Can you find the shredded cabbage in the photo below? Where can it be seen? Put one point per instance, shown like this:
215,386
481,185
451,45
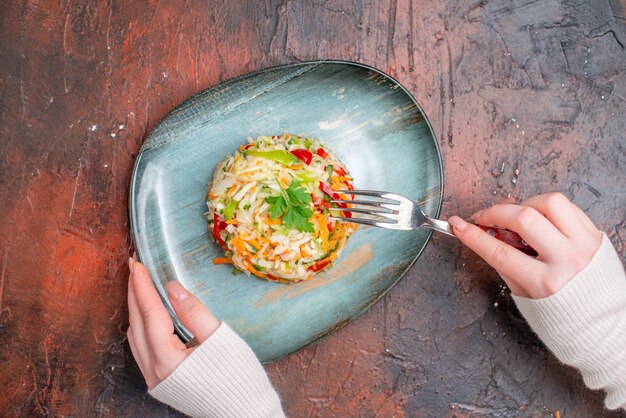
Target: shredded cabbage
239,213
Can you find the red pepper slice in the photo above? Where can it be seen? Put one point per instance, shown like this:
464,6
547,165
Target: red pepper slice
319,265
317,202
273,278
321,152
248,146
326,189
217,226
303,155
335,196
340,171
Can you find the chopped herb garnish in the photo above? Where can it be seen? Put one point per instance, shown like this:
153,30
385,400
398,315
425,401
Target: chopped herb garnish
292,205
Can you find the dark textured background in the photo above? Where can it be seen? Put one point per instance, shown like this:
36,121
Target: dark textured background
537,86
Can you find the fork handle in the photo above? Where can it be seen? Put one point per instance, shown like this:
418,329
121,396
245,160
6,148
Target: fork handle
511,238
505,235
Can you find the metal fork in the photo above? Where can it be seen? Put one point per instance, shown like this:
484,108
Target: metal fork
392,211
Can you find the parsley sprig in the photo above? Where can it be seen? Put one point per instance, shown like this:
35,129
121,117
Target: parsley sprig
292,204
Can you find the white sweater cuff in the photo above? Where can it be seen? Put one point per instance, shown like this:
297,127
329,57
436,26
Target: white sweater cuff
220,378
584,323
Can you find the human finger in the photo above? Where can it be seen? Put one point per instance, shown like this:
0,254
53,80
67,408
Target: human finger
533,227
563,214
134,315
158,325
511,263
136,332
141,358
191,311
591,227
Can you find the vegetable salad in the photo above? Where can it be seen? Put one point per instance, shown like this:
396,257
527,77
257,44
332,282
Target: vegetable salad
270,208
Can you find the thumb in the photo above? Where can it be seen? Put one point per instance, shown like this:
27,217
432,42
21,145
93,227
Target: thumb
191,311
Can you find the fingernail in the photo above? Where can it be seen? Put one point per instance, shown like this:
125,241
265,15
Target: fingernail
131,265
177,291
458,223
135,255
476,215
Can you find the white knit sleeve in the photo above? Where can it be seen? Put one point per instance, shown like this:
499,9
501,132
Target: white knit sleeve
584,323
221,378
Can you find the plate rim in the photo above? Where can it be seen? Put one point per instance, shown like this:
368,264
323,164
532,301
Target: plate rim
133,182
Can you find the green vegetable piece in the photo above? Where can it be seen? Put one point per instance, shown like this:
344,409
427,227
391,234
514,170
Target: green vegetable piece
306,176
229,209
235,271
298,217
329,170
278,206
280,156
292,205
259,268
298,194
250,248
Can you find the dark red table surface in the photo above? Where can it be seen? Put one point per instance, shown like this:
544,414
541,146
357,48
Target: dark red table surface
524,96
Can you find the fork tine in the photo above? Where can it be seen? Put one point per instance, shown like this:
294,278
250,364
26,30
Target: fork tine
373,193
386,215
360,202
365,211
362,221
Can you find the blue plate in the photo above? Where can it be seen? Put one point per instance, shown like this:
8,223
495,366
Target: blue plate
371,122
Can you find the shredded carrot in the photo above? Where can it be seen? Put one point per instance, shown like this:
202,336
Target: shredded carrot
222,260
270,221
239,245
303,251
253,270
212,196
296,167
343,178
232,221
232,190
257,274
320,219
255,244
